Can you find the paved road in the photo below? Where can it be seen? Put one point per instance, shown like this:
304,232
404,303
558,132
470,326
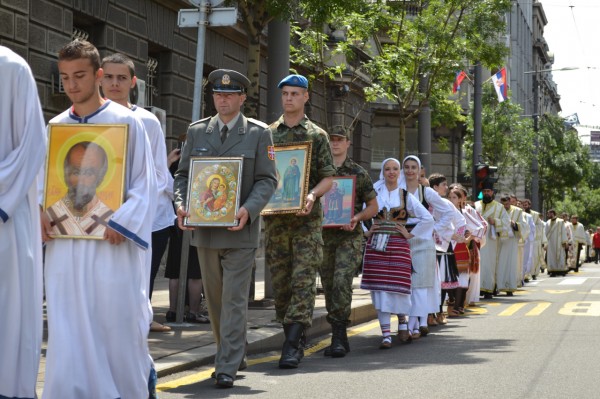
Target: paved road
542,343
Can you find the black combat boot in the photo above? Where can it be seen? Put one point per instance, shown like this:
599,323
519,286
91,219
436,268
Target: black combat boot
339,340
293,346
343,340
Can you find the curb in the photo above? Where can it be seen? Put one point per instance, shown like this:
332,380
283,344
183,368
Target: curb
261,339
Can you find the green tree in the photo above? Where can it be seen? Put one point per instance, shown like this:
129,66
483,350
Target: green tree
507,139
256,15
564,161
416,48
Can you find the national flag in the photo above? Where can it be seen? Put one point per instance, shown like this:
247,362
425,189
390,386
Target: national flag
572,120
458,80
500,84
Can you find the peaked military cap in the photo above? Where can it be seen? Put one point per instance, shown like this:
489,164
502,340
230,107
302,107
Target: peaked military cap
228,81
340,131
294,80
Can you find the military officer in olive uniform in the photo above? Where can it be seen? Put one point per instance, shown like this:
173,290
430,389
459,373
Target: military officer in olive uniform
293,242
226,255
342,254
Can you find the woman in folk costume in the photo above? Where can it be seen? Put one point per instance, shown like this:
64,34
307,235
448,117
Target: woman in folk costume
387,260
446,258
465,251
426,282
477,227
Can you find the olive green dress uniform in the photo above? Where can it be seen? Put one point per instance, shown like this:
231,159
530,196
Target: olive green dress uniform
294,244
342,254
226,257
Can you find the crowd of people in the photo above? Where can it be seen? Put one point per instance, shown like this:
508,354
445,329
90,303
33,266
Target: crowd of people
429,252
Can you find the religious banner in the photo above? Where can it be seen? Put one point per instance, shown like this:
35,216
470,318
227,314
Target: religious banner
214,191
293,170
338,202
85,177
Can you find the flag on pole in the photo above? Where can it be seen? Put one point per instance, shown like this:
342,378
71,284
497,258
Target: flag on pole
460,76
500,84
571,120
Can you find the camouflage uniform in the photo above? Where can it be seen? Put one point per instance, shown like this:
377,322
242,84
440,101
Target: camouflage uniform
293,244
343,250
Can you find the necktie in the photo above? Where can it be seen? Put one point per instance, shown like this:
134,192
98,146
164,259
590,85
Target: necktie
224,133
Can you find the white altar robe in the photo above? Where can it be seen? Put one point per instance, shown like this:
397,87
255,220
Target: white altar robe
97,293
510,260
22,149
556,233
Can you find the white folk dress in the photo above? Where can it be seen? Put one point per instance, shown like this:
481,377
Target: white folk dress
22,149
96,293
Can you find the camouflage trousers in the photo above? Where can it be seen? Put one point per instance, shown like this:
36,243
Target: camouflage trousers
342,257
293,252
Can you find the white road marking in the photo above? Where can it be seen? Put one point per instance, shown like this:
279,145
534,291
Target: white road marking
573,281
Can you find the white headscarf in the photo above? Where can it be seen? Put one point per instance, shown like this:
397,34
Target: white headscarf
402,179
380,184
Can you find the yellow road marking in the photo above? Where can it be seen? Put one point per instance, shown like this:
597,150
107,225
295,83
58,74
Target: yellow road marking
205,374
558,291
512,309
539,308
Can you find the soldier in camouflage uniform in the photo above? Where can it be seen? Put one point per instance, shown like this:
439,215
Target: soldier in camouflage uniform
342,254
293,242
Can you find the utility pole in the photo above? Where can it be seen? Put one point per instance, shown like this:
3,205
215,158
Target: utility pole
535,168
477,137
424,119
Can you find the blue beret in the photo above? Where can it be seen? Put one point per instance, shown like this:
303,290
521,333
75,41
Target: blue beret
294,80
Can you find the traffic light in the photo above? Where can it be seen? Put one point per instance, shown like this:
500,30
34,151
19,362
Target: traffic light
484,173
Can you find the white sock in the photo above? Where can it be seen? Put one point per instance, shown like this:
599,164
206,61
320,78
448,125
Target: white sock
384,322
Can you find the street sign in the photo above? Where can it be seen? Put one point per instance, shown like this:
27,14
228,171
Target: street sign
190,18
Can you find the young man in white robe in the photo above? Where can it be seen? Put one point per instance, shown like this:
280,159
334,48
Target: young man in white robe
556,233
117,82
96,290
510,260
22,150
498,224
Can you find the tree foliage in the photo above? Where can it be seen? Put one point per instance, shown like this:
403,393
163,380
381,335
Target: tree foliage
564,161
507,139
256,15
419,46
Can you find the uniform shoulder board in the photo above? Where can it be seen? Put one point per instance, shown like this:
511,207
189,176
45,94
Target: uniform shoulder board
199,121
257,122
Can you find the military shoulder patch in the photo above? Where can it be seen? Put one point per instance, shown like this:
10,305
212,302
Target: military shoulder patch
271,152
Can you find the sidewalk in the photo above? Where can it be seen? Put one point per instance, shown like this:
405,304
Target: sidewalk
184,348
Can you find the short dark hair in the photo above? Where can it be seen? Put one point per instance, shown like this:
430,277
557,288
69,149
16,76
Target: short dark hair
435,179
526,200
118,58
80,49
458,186
551,210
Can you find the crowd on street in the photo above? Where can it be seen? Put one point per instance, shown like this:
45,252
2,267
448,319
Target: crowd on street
422,249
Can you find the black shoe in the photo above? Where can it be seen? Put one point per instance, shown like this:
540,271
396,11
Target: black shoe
224,381
534,277
171,316
487,295
509,293
338,346
196,318
293,346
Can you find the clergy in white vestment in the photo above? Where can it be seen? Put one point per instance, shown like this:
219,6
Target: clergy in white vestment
510,260
580,239
537,251
528,247
556,233
22,149
569,252
96,290
498,224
